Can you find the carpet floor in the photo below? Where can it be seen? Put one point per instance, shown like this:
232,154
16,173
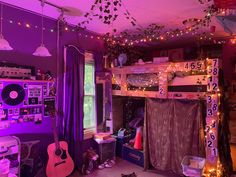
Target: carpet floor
124,167
121,167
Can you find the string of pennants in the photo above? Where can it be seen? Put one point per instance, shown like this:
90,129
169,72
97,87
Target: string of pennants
212,117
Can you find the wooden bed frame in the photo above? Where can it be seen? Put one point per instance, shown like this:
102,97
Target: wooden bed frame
203,73
162,69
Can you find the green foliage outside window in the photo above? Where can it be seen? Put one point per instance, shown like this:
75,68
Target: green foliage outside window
89,96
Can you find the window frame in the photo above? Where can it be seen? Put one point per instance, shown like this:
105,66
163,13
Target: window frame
90,131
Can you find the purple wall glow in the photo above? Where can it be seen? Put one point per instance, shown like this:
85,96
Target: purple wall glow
24,42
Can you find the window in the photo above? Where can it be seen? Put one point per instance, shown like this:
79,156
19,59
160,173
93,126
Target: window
89,95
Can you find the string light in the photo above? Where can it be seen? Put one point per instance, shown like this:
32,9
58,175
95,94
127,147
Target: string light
27,25
66,29
233,41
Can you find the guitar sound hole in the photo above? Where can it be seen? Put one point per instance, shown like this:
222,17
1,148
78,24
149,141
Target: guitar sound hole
63,155
58,152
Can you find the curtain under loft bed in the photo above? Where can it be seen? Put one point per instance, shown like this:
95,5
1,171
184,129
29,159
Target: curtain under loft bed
173,129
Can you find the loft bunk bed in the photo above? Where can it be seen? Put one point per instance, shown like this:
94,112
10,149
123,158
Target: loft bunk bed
173,80
192,80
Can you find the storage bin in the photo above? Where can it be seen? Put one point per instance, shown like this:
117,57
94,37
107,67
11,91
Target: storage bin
107,149
10,148
132,155
193,166
120,141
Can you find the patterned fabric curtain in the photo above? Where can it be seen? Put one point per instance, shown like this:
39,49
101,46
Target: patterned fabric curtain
173,128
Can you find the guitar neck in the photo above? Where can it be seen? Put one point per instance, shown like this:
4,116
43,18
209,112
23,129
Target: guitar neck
56,140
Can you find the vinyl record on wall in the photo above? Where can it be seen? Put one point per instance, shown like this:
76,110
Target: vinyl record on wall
13,94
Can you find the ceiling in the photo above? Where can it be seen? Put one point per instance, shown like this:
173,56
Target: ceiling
169,13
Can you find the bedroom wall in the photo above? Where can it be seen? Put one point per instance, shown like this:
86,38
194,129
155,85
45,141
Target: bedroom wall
24,42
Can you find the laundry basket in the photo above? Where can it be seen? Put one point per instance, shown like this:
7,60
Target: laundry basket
193,166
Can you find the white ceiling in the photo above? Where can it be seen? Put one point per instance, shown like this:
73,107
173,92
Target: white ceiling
170,13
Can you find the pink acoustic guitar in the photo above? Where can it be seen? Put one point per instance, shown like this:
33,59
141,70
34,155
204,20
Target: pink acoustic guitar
60,164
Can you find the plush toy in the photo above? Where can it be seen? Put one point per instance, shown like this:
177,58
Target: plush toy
90,161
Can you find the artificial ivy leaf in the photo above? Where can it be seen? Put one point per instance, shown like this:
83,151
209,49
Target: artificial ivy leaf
106,11
92,7
115,3
133,23
114,18
134,19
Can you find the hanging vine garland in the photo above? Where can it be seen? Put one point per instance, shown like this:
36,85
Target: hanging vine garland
107,12
152,30
157,33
